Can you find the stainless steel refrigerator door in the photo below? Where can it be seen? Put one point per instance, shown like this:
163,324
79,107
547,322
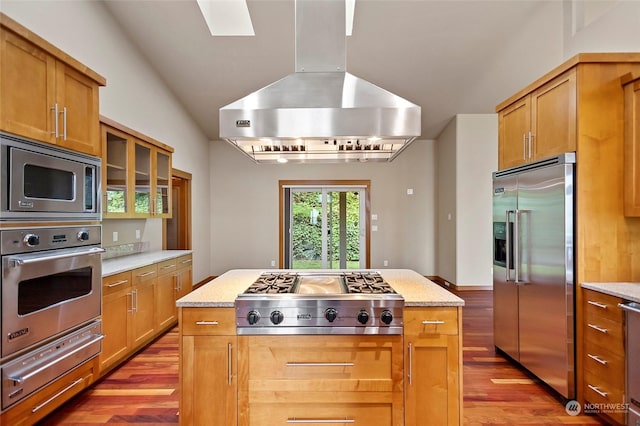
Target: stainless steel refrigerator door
545,279
505,291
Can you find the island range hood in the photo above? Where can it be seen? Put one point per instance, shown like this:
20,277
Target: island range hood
320,113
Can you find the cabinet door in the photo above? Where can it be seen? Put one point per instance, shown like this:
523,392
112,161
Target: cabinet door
166,311
514,125
553,111
143,199
433,367
28,89
185,282
116,315
632,149
115,176
144,299
79,120
162,190
208,380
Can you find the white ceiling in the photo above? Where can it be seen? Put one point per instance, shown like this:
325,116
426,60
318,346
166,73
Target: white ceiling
426,51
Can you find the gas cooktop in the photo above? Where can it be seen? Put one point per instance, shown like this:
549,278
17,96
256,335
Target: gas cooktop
319,302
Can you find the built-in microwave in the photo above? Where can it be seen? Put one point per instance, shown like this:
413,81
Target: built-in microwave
43,182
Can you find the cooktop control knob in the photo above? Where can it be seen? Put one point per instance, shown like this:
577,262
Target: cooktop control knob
31,240
386,317
277,317
331,314
83,236
253,317
363,317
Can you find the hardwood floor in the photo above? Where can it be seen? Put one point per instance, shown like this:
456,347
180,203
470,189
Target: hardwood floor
145,389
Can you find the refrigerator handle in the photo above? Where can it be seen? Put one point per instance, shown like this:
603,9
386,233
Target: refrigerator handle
516,247
508,242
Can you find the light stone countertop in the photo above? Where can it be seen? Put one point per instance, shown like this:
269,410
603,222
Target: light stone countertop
126,263
415,288
627,291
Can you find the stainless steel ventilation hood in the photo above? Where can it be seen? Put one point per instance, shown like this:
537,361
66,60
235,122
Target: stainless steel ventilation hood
320,113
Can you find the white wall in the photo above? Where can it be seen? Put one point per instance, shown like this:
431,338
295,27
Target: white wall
467,154
134,96
244,207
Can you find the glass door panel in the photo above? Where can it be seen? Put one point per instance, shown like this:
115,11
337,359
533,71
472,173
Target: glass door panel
116,174
143,179
162,184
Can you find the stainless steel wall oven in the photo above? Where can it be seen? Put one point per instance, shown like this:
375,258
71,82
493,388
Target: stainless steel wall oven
51,302
43,182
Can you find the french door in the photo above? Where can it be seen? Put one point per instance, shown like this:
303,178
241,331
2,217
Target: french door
325,227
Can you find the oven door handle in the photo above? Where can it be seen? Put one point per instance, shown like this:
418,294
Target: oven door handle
24,378
20,260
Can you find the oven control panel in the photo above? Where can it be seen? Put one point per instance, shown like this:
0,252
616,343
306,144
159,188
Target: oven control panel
38,239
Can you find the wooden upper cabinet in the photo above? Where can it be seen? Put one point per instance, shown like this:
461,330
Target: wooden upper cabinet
136,175
632,145
539,125
47,95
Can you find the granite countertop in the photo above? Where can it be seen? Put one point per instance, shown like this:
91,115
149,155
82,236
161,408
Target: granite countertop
628,291
126,263
415,288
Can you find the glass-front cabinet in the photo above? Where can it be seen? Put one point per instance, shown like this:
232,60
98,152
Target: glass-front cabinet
137,176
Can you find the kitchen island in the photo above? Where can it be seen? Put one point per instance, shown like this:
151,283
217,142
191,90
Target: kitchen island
374,379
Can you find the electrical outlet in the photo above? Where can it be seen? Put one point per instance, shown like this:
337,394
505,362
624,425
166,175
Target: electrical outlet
385,263
374,228
409,191
273,263
137,234
115,236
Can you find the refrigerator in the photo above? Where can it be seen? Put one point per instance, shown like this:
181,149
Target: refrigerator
533,268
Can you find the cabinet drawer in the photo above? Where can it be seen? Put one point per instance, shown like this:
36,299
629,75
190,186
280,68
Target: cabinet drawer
605,366
184,261
605,334
208,321
431,321
144,274
115,283
321,363
168,266
599,391
326,413
602,306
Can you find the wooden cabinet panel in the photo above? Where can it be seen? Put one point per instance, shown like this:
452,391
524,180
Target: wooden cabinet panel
433,366
208,321
539,125
44,98
143,320
116,316
115,283
137,176
632,148
335,413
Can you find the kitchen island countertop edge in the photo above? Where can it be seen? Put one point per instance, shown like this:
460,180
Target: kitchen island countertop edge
416,290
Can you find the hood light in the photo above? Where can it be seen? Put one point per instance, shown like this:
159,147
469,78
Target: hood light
282,160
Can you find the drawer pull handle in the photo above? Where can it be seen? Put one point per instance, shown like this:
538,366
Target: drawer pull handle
169,266
325,421
186,261
146,274
229,364
435,322
48,401
206,322
599,305
597,359
320,364
600,329
598,391
117,283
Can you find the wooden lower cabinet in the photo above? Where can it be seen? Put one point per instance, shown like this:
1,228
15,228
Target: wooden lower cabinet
174,281
433,366
36,407
301,379
208,366
603,358
380,380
